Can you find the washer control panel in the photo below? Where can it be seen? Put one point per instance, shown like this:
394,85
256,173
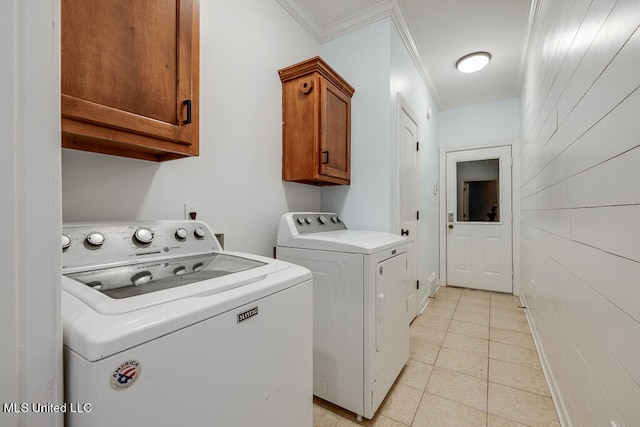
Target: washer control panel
308,222
95,245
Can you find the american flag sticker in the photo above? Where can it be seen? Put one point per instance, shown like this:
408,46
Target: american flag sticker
125,375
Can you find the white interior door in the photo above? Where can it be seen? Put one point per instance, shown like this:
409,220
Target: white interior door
479,219
408,180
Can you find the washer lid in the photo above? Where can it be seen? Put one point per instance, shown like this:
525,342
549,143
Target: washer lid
351,241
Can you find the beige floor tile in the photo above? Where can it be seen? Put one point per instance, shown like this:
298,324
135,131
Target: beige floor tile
458,387
510,337
509,323
476,293
473,345
508,303
470,299
382,421
444,303
497,421
423,351
415,374
430,321
470,317
469,329
346,422
324,418
450,290
432,335
472,307
521,406
518,376
513,354
463,362
433,310
401,403
512,313
436,411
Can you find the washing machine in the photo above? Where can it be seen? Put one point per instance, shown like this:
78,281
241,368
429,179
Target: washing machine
360,332
164,328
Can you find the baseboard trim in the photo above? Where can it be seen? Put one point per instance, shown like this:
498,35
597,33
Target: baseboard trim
556,395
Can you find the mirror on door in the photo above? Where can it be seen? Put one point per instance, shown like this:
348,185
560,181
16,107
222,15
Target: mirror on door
478,187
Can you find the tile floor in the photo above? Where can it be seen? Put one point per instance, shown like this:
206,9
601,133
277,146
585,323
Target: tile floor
472,362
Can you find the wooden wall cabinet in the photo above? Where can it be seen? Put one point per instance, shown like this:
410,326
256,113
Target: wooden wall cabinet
316,128
130,77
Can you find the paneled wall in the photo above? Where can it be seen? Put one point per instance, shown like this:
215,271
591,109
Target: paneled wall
580,201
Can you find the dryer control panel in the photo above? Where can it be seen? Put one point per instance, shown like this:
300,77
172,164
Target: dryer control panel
316,222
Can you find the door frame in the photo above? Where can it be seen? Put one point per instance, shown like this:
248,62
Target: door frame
403,106
515,206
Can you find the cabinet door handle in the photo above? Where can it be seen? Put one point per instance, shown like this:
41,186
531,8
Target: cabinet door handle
187,102
404,232
325,157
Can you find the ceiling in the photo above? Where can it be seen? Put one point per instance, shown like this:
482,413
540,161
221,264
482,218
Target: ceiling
438,33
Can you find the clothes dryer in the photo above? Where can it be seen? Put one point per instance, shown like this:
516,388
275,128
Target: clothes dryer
360,332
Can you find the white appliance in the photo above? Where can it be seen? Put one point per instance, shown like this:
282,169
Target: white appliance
360,332
164,328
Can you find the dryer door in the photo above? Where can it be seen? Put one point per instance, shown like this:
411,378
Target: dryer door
391,297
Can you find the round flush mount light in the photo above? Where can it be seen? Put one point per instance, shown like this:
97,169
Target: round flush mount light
473,62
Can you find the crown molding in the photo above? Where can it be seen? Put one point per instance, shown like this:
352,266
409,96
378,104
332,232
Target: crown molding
388,8
304,18
527,40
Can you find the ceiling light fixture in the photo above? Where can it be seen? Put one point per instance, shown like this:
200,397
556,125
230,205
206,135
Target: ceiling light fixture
473,62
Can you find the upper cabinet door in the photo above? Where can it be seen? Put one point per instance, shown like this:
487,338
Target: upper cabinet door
316,124
130,77
335,138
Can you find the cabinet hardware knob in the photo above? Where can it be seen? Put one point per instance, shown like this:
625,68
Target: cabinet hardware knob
306,86
187,102
325,157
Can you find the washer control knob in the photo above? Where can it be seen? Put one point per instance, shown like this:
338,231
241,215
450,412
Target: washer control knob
95,238
66,241
198,267
309,220
181,234
141,278
143,235
179,271
300,220
199,233
334,219
322,219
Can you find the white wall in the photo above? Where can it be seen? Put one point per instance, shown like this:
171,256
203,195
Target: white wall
375,60
30,326
362,57
235,183
480,124
581,204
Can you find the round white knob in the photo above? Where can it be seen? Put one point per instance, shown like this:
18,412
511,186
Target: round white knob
309,220
199,233
95,238
66,241
180,270
300,220
334,219
141,278
322,219
143,235
198,267
181,234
